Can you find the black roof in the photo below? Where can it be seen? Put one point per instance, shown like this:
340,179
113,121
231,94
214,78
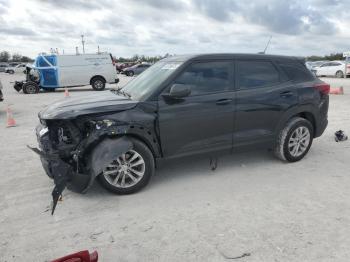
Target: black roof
183,58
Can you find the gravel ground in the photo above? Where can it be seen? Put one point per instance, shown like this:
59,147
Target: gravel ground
252,204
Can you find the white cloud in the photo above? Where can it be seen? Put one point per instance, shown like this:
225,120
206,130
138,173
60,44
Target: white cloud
156,27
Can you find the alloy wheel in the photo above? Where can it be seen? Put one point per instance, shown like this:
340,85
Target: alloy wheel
126,171
299,141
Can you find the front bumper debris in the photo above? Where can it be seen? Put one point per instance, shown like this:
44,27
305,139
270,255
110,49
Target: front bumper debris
76,165
56,168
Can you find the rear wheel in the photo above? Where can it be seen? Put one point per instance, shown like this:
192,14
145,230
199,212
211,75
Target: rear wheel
294,140
129,172
130,73
11,72
339,74
30,88
98,83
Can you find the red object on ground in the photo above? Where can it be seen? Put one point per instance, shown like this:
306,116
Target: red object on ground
337,91
66,93
10,120
82,256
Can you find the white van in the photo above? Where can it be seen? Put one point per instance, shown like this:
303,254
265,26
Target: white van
55,71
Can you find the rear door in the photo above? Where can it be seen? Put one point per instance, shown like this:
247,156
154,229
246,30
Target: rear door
202,121
263,94
335,67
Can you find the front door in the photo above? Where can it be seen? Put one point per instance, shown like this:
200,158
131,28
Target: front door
202,121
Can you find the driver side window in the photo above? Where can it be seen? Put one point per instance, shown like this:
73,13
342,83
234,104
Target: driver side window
206,77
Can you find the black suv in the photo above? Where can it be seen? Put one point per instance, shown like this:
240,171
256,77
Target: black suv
182,105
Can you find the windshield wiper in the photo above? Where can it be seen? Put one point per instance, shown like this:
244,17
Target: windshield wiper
126,94
119,91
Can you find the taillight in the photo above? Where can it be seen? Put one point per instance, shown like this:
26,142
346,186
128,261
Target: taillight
323,88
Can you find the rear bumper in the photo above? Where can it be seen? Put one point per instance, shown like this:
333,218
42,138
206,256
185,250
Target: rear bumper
321,128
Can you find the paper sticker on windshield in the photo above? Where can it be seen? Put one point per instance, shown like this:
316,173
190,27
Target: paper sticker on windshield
170,66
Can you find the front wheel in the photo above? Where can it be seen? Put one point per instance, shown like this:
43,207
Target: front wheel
294,140
129,172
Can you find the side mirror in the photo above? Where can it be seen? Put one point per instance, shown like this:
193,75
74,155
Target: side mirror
179,91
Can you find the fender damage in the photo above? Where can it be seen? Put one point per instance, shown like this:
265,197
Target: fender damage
75,151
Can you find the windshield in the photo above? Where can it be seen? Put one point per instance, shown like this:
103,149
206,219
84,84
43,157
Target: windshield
143,85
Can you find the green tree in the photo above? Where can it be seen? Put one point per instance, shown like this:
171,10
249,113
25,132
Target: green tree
16,57
4,56
26,59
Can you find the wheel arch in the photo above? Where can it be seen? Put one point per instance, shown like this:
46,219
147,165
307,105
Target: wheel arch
97,76
307,112
310,117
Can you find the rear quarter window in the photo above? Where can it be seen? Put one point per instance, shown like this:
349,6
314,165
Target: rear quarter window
296,72
256,74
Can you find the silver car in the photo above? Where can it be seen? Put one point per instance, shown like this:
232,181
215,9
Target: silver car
3,66
136,69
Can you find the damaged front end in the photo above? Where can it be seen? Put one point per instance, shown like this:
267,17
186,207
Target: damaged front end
73,153
80,137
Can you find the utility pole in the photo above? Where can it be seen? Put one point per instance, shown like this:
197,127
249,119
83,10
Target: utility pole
83,42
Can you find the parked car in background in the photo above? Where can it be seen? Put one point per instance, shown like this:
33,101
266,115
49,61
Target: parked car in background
312,64
3,66
54,71
347,61
20,68
1,94
121,66
331,68
13,64
182,105
136,69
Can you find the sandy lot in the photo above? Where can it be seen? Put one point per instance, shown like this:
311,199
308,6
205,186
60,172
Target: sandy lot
252,203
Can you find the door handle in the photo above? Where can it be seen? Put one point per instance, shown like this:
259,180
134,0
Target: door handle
286,94
224,101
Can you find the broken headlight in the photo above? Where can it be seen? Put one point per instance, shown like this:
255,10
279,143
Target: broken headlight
43,131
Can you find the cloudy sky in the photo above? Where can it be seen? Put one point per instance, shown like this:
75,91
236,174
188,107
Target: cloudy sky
156,27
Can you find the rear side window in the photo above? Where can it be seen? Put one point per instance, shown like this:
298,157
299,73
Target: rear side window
206,77
296,72
255,74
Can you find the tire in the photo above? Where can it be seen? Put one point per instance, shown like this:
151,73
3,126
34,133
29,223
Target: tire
339,74
284,149
30,88
130,73
11,72
98,83
149,168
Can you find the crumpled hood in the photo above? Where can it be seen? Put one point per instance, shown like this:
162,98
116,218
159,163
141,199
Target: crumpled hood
97,102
